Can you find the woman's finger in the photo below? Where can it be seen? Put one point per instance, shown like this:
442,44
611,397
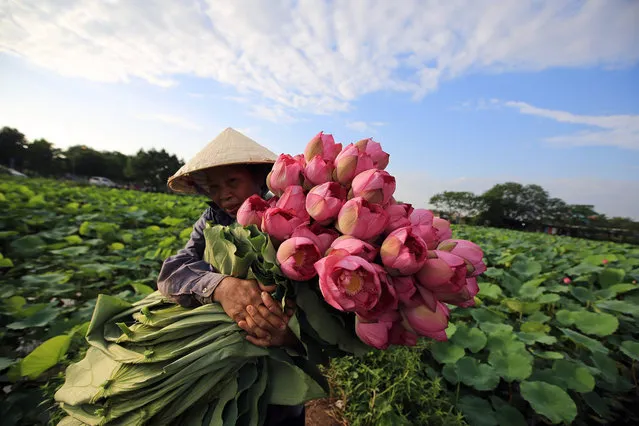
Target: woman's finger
259,319
258,342
267,288
272,305
255,329
275,321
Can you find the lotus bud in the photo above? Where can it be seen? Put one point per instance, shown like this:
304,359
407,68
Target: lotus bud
325,201
403,252
294,199
361,219
375,186
324,146
251,211
355,247
351,162
374,150
280,223
286,171
296,257
398,216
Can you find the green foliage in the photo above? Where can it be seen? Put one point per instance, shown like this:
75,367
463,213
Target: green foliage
392,387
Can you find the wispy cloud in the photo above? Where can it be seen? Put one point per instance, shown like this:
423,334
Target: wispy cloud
363,126
196,95
602,130
317,56
274,113
172,120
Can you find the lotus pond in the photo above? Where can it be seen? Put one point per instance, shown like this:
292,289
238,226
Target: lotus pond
553,338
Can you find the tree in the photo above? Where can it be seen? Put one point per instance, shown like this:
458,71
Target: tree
39,157
12,148
152,168
463,204
512,201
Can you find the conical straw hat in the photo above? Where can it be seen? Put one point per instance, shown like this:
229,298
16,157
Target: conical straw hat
228,148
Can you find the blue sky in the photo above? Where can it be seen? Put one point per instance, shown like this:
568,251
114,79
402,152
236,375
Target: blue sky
463,95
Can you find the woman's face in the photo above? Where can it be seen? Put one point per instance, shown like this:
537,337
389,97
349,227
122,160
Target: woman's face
229,186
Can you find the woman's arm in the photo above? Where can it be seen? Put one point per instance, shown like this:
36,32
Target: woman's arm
185,277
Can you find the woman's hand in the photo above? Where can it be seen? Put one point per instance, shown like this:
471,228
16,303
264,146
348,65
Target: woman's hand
261,337
243,298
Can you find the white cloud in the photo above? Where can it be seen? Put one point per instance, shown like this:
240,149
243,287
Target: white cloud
316,56
611,197
604,130
171,120
196,95
363,126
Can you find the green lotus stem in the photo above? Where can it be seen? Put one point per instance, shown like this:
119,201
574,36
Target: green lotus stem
146,312
126,330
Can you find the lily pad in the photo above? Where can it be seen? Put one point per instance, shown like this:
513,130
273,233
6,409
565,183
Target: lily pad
40,319
611,276
506,414
550,401
490,291
598,324
526,268
574,376
512,365
549,298
447,352
592,344
630,348
477,411
619,306
547,354
471,338
45,356
480,376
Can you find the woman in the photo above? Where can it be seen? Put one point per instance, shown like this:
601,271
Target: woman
228,171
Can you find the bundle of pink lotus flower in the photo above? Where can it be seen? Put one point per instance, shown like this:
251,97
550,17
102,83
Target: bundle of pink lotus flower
335,220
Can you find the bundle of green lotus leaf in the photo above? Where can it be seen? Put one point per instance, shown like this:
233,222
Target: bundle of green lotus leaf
154,362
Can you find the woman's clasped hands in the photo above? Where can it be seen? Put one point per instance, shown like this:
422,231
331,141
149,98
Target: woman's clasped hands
251,306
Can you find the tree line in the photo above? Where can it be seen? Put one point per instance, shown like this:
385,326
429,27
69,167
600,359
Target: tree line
146,169
513,205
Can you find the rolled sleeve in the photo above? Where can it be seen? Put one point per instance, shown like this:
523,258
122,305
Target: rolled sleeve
185,277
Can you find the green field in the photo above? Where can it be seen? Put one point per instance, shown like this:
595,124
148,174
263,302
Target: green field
534,349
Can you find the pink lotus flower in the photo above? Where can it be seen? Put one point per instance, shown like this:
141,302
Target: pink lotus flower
386,307
427,322
374,333
322,237
348,283
604,261
325,201
375,186
405,289
351,162
467,250
444,275
442,227
286,171
294,199
567,280
297,257
324,146
280,223
398,216
361,219
355,247
251,211
374,150
422,222
403,252
318,170
399,335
